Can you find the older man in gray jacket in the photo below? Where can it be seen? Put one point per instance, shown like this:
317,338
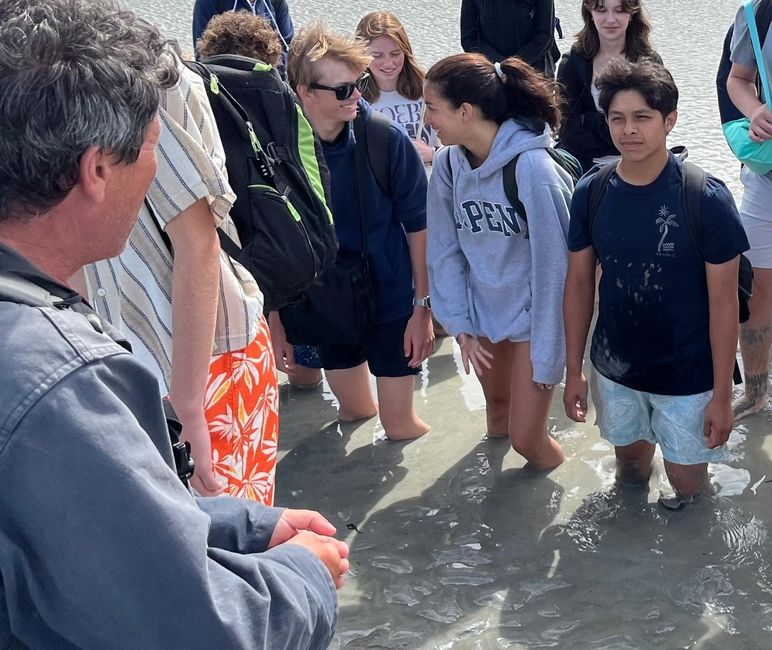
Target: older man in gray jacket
101,545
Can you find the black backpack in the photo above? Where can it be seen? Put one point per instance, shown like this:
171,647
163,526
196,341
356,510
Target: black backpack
726,109
693,183
560,157
277,172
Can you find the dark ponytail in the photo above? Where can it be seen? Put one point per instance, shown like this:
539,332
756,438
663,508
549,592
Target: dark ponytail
520,92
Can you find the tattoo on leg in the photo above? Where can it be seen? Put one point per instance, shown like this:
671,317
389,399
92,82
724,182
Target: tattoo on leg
754,335
755,385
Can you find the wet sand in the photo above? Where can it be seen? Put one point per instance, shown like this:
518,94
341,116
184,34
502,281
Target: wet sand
460,546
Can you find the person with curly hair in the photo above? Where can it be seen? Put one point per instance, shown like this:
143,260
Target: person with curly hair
276,12
242,33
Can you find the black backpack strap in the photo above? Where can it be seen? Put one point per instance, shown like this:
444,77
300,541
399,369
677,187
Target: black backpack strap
226,243
219,93
509,176
361,155
596,191
693,181
378,137
157,222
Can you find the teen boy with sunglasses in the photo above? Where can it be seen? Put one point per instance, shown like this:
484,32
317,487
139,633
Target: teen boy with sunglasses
664,345
327,73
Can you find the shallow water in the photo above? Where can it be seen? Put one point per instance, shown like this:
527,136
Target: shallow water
459,546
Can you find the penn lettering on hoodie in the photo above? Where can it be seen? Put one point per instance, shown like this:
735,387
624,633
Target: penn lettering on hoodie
492,273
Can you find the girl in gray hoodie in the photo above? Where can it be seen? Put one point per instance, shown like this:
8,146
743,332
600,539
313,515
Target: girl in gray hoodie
497,276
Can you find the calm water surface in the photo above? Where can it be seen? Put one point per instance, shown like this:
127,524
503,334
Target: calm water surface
459,545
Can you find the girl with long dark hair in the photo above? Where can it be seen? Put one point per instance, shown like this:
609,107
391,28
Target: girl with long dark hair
497,272
612,28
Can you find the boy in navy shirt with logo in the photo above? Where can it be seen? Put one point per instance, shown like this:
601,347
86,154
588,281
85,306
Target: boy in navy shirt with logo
664,345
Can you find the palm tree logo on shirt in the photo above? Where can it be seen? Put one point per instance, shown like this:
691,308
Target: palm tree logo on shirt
665,221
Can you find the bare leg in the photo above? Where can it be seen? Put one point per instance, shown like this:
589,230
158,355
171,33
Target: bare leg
755,339
351,387
304,378
496,387
634,463
528,409
398,417
688,481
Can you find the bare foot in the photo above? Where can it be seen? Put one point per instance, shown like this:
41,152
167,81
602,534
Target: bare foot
415,430
745,405
344,416
547,458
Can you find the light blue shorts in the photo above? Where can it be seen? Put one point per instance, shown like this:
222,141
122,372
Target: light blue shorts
625,416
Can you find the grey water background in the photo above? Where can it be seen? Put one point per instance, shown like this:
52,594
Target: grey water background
459,546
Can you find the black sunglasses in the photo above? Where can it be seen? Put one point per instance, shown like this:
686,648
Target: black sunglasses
344,91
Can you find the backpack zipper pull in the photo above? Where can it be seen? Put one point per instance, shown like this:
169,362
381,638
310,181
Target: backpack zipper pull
214,84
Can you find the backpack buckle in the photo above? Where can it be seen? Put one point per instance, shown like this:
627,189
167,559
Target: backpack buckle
264,161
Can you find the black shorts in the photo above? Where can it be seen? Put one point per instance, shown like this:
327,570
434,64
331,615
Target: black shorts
383,349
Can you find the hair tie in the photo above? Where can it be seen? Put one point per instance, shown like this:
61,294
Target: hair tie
499,71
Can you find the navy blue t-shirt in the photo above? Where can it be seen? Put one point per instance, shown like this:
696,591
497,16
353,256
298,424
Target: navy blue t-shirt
652,333
389,217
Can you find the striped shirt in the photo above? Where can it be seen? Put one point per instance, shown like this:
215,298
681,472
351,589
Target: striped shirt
133,291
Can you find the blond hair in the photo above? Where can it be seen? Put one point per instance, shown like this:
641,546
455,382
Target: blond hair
410,83
315,42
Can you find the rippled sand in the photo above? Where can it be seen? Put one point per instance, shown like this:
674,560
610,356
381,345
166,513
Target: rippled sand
459,546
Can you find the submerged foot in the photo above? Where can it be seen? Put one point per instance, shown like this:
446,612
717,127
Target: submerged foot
673,501
309,386
747,405
415,430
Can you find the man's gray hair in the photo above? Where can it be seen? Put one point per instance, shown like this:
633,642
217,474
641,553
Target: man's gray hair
73,74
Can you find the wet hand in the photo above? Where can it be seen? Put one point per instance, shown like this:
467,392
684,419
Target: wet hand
292,522
718,422
761,124
418,341
474,353
332,552
575,397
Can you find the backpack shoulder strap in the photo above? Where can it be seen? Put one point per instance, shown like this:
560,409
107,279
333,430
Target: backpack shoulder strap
219,93
378,138
14,288
596,190
509,176
693,180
